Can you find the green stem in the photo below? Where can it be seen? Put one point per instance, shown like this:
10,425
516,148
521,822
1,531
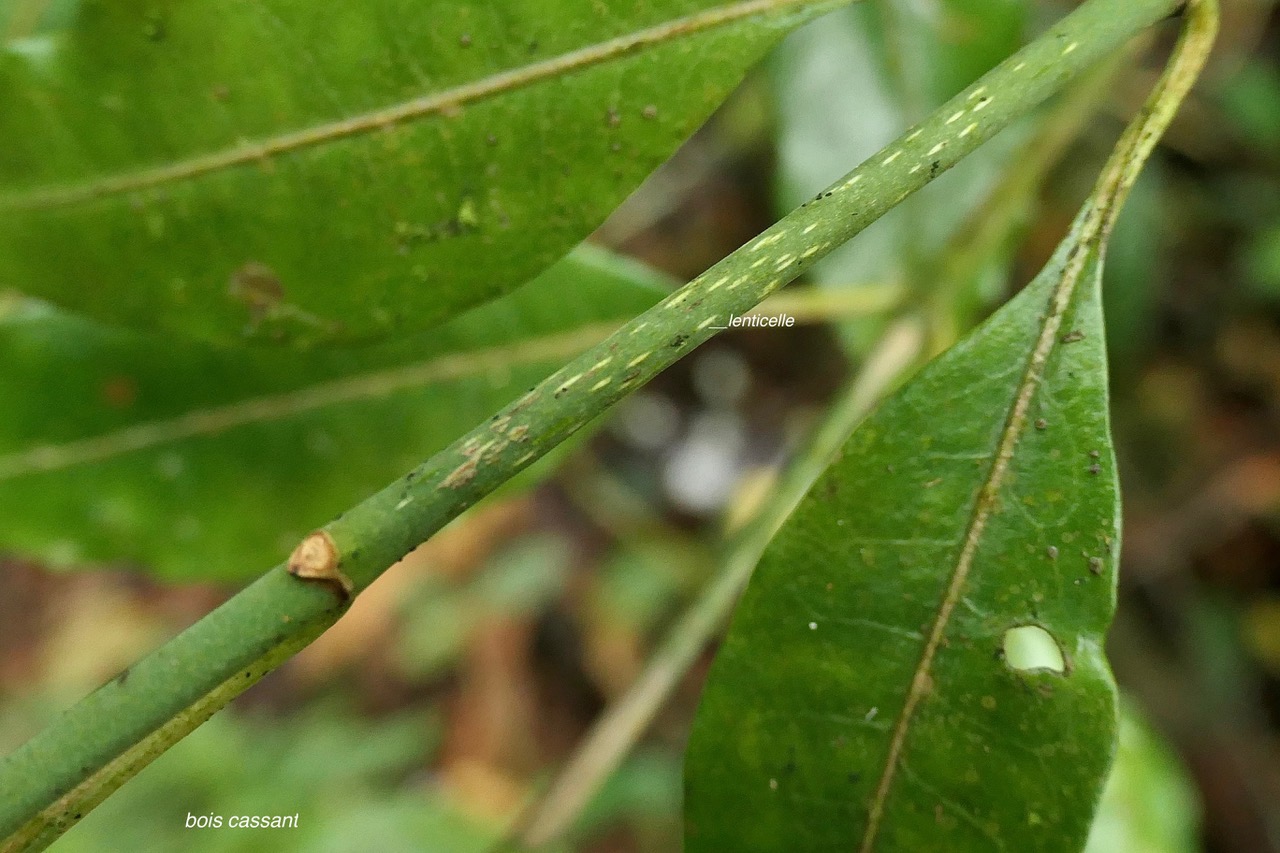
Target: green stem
96,745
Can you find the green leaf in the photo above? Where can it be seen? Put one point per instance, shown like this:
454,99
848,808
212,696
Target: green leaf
869,695
207,463
229,169
918,663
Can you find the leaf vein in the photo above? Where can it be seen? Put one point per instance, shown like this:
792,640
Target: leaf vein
273,407
436,103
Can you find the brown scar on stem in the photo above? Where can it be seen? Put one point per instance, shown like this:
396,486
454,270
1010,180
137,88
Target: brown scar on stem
459,476
518,433
317,558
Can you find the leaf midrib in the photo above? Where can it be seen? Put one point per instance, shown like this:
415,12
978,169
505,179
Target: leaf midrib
1095,226
1032,377
437,103
274,407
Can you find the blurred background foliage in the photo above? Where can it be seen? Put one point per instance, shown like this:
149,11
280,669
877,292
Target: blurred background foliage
441,704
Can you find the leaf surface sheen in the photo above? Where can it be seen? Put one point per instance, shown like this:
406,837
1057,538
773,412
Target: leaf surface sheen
232,169
862,700
119,446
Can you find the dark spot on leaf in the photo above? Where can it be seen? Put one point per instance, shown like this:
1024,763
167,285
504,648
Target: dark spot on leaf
153,27
1041,423
1095,468
1072,337
650,112
257,287
934,168
679,340
120,392
854,778
1095,565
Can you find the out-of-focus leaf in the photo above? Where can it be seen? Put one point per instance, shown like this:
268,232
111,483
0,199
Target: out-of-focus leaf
226,168
1134,267
839,102
523,578
441,617
917,663
207,463
646,788
286,767
1262,262
1149,804
21,18
1250,99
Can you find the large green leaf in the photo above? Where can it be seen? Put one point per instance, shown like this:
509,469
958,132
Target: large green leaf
202,462
868,695
267,169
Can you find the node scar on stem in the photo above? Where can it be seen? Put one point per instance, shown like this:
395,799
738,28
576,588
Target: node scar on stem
316,558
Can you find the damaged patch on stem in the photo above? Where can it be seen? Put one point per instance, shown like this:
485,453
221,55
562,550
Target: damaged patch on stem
316,558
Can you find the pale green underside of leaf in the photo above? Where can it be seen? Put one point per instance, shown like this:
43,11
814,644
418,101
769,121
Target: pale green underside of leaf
205,463
232,169
794,735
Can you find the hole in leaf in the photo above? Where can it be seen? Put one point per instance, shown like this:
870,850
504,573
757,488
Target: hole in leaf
1030,647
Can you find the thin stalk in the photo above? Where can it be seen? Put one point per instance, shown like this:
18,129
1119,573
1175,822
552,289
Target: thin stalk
103,740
